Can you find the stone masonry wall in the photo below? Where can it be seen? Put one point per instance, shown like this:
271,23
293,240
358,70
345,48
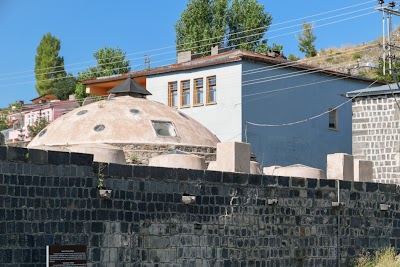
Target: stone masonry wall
376,134
51,198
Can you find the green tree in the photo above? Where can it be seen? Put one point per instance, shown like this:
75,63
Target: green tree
37,126
4,122
293,57
263,48
306,40
49,66
204,23
65,87
110,61
201,25
247,23
387,76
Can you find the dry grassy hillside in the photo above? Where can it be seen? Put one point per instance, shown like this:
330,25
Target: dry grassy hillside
359,60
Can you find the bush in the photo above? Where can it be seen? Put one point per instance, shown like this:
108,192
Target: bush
383,258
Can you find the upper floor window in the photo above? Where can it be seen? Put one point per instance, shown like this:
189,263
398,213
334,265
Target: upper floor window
211,89
185,93
173,94
198,91
333,119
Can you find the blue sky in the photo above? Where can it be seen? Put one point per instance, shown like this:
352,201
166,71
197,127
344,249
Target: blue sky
139,26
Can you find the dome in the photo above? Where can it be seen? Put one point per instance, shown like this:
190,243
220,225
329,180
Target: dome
125,120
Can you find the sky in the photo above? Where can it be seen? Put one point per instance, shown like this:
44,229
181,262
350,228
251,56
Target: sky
147,28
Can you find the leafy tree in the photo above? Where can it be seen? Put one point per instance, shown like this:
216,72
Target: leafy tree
204,23
247,23
110,61
293,57
306,40
49,66
201,25
263,48
4,122
37,126
387,76
65,87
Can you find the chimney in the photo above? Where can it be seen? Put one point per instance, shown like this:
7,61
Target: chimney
184,56
218,50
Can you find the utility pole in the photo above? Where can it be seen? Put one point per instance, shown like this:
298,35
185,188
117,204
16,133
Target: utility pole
386,40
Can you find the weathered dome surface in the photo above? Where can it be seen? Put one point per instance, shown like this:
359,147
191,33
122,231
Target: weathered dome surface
125,120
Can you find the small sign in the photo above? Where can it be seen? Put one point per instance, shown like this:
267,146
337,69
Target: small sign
66,256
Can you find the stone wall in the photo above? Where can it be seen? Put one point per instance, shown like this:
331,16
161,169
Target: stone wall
51,198
376,134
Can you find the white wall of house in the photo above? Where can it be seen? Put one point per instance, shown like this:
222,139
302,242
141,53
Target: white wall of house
224,118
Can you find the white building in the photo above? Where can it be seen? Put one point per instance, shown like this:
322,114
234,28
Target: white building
224,91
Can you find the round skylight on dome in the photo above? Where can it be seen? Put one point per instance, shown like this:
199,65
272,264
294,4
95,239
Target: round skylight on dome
81,112
134,111
42,132
99,127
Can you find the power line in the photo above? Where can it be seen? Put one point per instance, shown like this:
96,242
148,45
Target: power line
310,118
169,52
167,47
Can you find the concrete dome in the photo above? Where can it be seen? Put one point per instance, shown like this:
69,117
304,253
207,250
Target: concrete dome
125,120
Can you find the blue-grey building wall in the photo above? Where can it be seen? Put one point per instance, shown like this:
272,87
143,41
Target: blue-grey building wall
284,95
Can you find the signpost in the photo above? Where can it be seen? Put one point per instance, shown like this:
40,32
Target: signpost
66,256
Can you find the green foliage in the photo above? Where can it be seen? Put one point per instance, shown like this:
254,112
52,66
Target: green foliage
65,87
263,48
245,15
37,126
356,56
100,176
387,77
382,258
49,66
201,25
306,40
204,23
4,122
293,57
110,61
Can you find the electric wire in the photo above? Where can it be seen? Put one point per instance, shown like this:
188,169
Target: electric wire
167,47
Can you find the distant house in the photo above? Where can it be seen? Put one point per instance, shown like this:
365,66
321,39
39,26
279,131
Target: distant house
225,91
46,106
376,130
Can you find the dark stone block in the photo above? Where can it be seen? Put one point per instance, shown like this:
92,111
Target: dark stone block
3,152
163,173
213,176
269,180
58,158
312,183
371,187
118,170
346,185
141,171
358,186
81,159
298,182
387,188
17,154
327,183
255,179
283,181
196,174
182,174
37,156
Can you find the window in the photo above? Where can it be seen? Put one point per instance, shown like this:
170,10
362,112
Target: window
164,128
198,91
173,94
185,93
211,89
333,119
